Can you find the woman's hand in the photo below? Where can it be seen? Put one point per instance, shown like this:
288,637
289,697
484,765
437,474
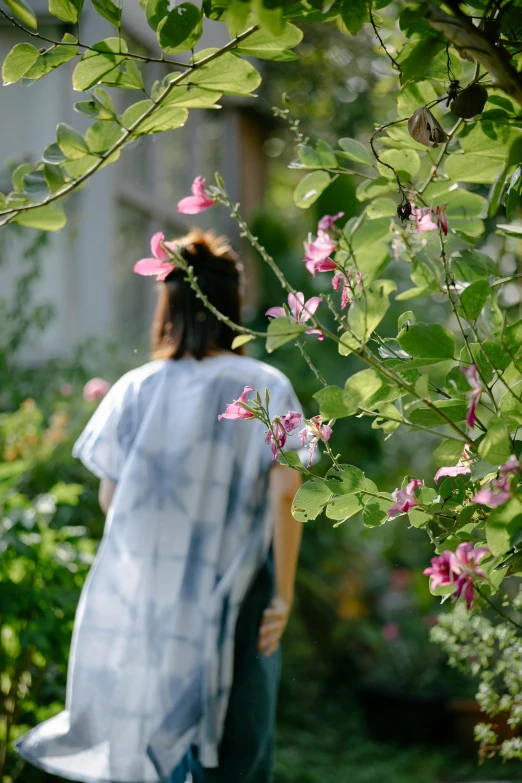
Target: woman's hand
273,624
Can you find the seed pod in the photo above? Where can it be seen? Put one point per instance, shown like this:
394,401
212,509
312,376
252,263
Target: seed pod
424,128
469,102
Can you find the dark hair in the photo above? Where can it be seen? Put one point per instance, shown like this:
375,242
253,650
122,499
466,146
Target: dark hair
182,324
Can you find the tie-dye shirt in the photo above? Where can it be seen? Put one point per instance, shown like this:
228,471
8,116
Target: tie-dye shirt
151,662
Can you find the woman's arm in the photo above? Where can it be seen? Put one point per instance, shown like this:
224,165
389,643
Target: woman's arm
105,494
284,483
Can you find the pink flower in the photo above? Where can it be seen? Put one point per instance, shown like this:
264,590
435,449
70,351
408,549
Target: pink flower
300,310
461,468
327,221
427,219
291,420
488,497
314,431
346,296
317,252
468,559
390,632
276,436
66,389
159,265
405,498
444,569
459,568
95,389
235,409
198,202
474,395
423,221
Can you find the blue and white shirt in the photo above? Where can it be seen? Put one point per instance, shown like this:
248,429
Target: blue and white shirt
151,662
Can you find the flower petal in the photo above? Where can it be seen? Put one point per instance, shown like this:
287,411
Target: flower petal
155,245
276,312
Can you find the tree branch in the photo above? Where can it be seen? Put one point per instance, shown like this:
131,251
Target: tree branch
473,44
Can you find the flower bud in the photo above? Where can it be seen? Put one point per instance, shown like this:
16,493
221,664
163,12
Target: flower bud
469,102
424,128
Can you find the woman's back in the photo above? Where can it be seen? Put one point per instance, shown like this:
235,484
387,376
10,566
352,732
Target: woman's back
152,657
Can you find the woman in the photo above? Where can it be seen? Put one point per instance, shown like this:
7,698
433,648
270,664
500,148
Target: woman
174,661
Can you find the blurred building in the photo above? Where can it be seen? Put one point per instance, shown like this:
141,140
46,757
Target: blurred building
87,270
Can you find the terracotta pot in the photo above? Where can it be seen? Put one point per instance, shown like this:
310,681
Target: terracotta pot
466,715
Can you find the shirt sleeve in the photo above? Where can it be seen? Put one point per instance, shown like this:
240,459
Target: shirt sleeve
103,445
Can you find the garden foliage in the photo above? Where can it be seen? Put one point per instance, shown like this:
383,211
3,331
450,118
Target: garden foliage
439,185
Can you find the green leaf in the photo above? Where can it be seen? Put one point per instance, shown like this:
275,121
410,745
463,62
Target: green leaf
427,341
281,331
416,57
376,510
228,74
460,204
263,45
181,29
471,265
66,10
496,446
456,410
501,524
497,356
163,119
489,139
53,58
331,405
241,339
348,344
345,480
511,407
23,11
109,10
425,281
473,299
46,218
291,459
19,60
310,500
372,188
71,142
388,419
69,494
53,154
343,507
372,259
310,188
360,388
354,14
35,186
270,16
448,452
354,150
192,97
510,230
381,207
367,312
54,177
513,192
405,162
472,167
101,136
326,155
413,95
156,11
98,62
126,77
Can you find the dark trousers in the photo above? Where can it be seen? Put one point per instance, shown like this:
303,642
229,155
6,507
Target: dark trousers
246,751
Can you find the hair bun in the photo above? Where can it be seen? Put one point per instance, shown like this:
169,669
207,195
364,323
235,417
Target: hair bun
207,252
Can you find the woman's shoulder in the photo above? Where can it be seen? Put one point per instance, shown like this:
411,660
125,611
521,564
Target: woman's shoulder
140,375
255,372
